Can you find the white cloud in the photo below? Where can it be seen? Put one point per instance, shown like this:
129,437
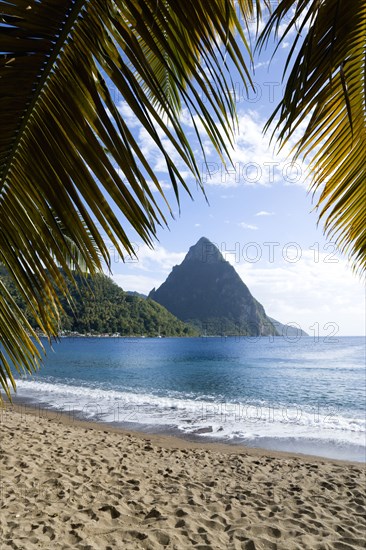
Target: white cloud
318,292
255,29
261,64
148,146
140,284
156,259
294,28
155,157
244,225
163,184
149,270
128,115
265,213
254,163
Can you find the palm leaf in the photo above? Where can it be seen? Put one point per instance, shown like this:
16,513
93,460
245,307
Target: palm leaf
326,89
15,328
71,170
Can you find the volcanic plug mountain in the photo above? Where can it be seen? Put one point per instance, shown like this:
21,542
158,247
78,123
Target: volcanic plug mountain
206,291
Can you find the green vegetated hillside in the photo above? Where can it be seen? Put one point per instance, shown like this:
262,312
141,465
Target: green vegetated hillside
291,330
100,306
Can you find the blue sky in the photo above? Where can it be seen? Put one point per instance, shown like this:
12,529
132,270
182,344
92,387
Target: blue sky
261,217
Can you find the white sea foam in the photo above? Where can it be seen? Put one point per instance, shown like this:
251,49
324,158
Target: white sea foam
247,421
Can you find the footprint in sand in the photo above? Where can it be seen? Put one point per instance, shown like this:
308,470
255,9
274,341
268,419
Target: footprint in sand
111,510
271,532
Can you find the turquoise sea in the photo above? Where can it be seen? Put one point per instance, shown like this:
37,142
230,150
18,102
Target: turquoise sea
304,395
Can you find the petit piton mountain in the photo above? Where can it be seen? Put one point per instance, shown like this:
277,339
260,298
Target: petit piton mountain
206,291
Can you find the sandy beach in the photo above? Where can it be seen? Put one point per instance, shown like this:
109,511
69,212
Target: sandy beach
70,484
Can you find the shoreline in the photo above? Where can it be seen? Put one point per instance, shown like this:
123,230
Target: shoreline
164,439
257,414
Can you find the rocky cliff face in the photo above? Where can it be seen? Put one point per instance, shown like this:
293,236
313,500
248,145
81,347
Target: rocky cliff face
206,291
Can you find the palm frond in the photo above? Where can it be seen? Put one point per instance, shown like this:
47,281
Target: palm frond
15,329
71,170
326,90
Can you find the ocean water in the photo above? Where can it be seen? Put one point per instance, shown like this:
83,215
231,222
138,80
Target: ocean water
305,395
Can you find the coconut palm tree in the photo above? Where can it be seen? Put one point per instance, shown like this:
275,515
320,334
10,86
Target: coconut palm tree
325,92
71,170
